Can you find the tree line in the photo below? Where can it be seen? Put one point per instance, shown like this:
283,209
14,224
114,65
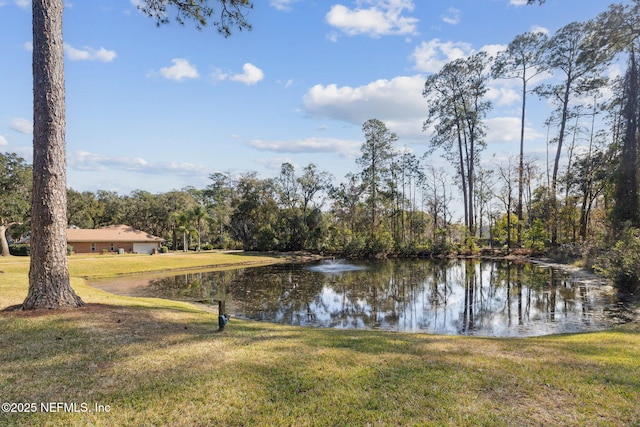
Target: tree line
397,203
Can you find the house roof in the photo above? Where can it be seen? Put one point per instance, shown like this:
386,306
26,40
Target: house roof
113,233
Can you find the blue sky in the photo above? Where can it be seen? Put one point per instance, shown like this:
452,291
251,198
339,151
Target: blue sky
161,108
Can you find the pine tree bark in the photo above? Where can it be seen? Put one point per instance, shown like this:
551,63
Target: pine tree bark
49,285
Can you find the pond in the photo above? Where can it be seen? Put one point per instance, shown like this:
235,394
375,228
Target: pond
465,297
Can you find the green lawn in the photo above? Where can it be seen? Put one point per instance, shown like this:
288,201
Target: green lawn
108,265
155,362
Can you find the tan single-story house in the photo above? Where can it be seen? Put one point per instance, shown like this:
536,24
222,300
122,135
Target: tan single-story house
115,238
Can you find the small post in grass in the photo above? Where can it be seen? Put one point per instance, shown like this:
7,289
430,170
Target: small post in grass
223,317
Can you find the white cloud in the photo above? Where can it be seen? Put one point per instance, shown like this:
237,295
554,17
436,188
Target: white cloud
382,17
21,125
614,71
250,75
332,36
88,53
493,49
431,56
275,163
397,102
507,130
347,148
217,75
518,2
539,29
400,105
452,16
502,95
105,55
86,161
283,5
181,69
3,141
286,84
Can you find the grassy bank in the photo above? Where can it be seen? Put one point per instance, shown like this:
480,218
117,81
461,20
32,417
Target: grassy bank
157,362
108,265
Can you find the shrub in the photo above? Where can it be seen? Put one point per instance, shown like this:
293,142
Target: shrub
380,244
622,263
567,253
266,239
164,250
19,250
535,237
355,246
441,244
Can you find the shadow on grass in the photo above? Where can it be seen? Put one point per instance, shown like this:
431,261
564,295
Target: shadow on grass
153,362
166,366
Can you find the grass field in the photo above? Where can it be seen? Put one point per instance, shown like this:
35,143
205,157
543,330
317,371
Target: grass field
94,266
122,361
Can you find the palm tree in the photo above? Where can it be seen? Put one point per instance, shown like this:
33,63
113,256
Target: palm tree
183,220
199,213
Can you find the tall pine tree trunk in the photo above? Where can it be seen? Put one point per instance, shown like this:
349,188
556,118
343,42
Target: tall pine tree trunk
519,208
627,206
556,163
49,285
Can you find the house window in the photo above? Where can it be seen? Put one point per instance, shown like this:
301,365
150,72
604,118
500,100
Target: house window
93,247
112,247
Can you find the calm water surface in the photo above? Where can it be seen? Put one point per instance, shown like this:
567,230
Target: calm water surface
467,297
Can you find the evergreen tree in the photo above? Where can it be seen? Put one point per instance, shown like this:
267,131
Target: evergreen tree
377,152
627,205
569,53
522,60
456,112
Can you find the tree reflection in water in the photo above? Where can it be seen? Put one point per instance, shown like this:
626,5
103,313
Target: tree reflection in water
471,297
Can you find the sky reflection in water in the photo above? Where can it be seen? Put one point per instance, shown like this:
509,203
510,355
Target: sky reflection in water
467,297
